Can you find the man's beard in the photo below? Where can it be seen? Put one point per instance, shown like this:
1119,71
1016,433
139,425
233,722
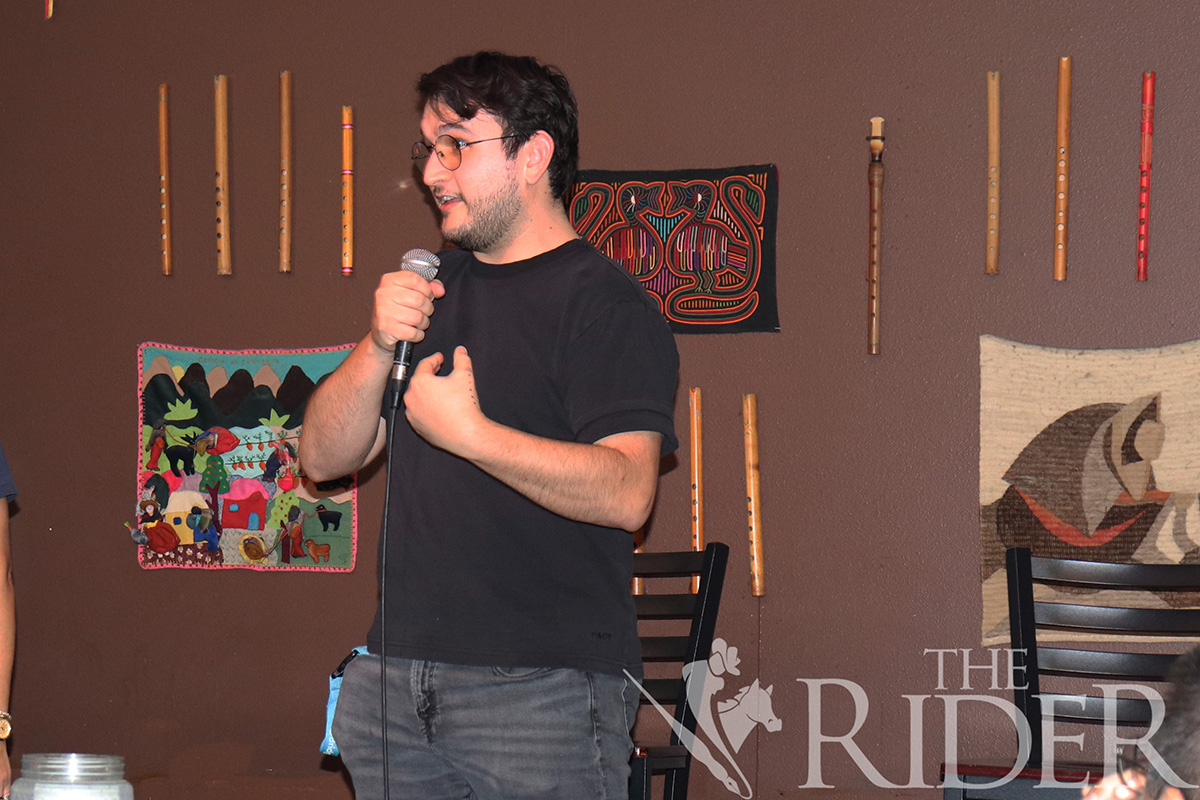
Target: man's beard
491,220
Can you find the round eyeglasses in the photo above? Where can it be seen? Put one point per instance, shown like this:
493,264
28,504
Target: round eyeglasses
1132,771
448,149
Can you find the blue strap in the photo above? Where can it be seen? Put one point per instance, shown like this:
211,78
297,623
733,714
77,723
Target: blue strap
328,745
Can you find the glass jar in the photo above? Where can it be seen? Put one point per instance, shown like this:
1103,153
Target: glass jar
71,776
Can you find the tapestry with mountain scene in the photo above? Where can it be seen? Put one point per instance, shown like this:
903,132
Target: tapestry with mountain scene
701,241
218,481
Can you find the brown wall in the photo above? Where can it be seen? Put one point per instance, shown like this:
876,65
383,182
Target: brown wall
869,465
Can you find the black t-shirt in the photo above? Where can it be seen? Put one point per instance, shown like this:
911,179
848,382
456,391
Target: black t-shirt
568,346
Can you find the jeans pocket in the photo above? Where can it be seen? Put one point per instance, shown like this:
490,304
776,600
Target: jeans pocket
631,693
518,673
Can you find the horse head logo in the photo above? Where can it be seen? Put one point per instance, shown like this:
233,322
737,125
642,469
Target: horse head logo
722,723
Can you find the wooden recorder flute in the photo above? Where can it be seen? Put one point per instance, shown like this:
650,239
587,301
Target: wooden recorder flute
285,171
221,103
1143,240
753,502
697,464
638,584
347,190
992,261
1062,168
875,181
164,180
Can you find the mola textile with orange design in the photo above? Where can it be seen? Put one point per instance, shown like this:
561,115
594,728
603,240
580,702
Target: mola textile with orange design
218,481
1087,454
701,241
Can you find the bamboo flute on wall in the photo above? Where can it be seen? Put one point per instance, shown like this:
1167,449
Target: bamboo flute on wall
221,105
285,171
347,190
164,181
1062,168
992,262
753,500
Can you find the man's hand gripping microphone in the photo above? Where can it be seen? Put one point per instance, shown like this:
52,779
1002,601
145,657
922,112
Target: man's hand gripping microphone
425,264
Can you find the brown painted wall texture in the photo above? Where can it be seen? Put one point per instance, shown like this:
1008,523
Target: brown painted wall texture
214,682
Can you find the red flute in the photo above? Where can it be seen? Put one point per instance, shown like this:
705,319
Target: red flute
697,456
1143,239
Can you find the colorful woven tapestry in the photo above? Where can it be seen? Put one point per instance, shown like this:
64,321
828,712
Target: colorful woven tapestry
1087,454
218,481
701,241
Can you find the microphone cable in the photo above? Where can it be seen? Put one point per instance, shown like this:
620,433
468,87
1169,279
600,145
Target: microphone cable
383,532
425,264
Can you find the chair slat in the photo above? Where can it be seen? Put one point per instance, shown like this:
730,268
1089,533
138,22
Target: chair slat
665,606
666,565
664,648
667,758
1097,574
1104,664
1126,711
1108,619
665,691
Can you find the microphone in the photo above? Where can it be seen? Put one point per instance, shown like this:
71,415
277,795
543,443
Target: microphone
425,264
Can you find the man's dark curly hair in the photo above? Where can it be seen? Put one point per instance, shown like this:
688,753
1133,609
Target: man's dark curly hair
1178,740
525,96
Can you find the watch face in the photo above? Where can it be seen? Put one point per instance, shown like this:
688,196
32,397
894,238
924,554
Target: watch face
5,728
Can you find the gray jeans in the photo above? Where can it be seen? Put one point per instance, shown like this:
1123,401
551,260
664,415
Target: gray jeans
486,733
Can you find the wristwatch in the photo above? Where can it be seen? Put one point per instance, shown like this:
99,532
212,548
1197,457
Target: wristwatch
5,725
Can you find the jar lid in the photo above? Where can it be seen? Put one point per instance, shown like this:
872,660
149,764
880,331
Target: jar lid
72,767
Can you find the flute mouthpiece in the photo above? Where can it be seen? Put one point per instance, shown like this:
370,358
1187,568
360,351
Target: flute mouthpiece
876,137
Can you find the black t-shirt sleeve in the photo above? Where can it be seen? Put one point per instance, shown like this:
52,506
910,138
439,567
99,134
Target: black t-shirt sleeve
8,487
621,369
